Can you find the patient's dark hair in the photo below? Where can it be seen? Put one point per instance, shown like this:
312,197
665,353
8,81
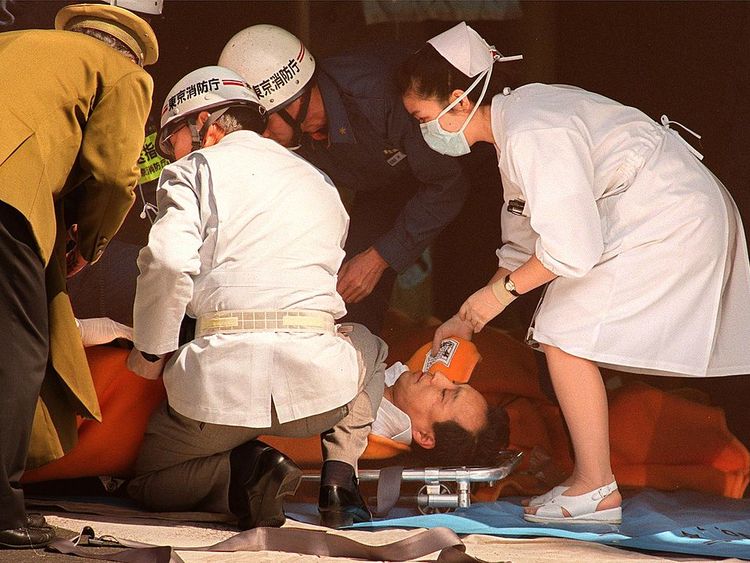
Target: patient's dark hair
429,75
456,446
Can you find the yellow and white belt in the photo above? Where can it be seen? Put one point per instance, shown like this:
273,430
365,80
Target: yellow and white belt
293,320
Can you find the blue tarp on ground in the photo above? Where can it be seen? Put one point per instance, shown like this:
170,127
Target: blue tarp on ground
679,522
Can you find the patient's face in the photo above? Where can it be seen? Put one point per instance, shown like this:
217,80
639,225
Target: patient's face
429,398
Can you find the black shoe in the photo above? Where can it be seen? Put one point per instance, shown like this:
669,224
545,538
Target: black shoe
26,537
260,478
342,506
36,520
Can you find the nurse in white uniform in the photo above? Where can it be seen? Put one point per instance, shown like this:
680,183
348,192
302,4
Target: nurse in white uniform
641,244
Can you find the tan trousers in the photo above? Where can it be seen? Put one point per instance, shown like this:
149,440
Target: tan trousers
183,464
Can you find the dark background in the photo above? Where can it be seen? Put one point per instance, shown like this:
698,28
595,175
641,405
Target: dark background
688,60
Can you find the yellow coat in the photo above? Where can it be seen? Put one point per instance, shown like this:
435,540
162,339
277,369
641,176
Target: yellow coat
72,129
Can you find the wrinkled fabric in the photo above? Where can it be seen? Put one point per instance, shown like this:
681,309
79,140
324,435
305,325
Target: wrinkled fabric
71,136
245,224
647,243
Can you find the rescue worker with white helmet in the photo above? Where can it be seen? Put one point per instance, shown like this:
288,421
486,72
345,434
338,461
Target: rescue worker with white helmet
212,90
345,117
248,241
280,72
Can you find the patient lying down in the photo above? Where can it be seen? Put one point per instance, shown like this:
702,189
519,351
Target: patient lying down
443,423
447,423
672,443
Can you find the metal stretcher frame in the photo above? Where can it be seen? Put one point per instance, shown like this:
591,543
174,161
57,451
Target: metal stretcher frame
436,494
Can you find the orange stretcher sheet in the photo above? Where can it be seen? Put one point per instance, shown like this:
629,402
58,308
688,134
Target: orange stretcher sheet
108,447
659,439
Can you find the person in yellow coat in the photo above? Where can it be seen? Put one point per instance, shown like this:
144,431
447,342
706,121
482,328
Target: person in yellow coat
75,102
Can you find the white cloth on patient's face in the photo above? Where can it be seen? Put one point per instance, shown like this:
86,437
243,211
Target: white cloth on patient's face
391,421
393,373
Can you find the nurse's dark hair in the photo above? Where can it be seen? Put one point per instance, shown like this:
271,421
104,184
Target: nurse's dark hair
427,74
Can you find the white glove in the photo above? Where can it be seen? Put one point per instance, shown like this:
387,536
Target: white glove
101,330
485,304
141,366
452,327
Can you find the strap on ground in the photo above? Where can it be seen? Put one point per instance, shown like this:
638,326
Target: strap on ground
289,540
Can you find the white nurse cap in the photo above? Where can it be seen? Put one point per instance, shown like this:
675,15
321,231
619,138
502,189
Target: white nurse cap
465,49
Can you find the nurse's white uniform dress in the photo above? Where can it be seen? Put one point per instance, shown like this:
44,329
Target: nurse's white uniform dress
647,243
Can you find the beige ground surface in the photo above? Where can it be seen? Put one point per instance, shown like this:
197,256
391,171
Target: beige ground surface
487,548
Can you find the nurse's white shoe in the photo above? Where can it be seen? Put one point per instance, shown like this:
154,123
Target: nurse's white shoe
579,509
544,498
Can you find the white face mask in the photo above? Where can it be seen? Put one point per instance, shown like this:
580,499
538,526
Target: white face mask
453,143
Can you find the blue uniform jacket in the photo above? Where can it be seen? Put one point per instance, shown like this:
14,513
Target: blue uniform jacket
374,144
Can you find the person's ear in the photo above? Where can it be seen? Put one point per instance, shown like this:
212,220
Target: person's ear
464,105
424,438
200,119
213,135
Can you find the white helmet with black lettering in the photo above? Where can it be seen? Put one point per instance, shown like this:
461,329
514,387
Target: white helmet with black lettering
214,89
274,62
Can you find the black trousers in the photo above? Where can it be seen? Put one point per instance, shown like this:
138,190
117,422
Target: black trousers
24,349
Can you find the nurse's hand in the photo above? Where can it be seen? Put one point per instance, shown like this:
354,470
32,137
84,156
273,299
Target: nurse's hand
480,308
359,276
452,327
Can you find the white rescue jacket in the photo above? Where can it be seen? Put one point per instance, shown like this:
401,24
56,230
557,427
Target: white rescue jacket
245,224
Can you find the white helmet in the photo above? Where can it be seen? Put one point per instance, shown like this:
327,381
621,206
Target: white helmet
210,88
154,7
273,61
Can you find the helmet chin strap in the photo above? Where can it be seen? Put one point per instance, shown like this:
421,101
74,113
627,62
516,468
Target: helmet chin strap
296,124
197,136
211,119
